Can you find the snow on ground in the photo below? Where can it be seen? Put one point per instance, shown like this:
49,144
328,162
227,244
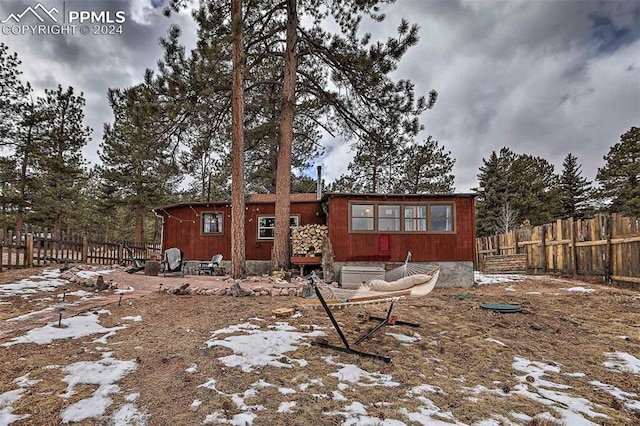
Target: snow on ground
555,399
579,289
46,281
8,398
623,362
74,327
489,339
481,278
571,408
104,372
89,274
257,348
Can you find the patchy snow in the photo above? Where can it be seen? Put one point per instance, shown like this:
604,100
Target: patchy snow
489,339
623,362
572,409
356,375
32,314
286,391
129,415
193,368
6,406
481,278
510,288
285,407
134,319
104,373
89,274
78,293
258,348
195,404
46,281
629,399
8,398
404,338
74,327
579,289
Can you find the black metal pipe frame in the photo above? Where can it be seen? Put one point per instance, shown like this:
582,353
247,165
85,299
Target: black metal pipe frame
347,348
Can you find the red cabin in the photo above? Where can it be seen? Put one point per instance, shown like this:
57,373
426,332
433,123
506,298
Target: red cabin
364,229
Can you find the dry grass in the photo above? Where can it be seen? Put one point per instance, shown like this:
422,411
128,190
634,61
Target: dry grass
573,330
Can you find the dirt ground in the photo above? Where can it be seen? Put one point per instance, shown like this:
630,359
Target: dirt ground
462,349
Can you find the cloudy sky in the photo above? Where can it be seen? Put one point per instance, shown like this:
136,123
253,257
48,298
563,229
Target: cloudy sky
544,77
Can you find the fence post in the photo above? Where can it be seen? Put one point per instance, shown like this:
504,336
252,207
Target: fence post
543,248
28,251
574,249
609,250
85,249
1,248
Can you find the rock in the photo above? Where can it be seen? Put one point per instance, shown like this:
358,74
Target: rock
100,284
183,289
238,291
307,291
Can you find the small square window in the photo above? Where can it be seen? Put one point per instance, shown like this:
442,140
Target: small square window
267,226
415,218
388,218
212,223
362,217
441,218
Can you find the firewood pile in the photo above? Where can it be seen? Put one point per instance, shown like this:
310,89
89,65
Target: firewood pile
307,240
505,264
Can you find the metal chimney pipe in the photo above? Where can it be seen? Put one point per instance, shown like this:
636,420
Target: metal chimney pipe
319,183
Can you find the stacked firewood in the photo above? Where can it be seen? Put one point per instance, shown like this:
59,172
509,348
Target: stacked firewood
307,240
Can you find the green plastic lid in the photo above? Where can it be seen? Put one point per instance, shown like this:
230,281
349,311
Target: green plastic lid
503,308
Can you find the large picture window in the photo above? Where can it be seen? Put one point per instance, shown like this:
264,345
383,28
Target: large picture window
212,223
267,226
362,217
401,217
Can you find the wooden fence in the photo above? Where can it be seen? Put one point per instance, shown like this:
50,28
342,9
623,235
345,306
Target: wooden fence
39,246
607,246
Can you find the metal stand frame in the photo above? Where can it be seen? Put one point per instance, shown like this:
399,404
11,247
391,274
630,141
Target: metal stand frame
388,320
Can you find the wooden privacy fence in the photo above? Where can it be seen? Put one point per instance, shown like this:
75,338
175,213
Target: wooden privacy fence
606,246
36,247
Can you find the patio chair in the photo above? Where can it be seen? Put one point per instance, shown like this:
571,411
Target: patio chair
173,262
213,267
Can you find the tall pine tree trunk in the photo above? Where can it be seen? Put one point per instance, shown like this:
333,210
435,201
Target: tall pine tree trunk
139,230
238,269
280,255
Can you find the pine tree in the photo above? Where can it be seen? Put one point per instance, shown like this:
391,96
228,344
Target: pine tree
13,93
60,163
238,267
574,189
139,166
619,178
524,182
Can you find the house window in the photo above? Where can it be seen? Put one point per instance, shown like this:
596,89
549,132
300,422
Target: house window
388,218
401,217
267,226
362,217
212,223
441,217
415,218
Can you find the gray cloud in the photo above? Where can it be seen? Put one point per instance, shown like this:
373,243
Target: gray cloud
542,77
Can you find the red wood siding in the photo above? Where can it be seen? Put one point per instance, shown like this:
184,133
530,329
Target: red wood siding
393,246
183,229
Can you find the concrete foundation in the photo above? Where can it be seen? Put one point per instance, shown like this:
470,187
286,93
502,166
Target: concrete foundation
452,274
